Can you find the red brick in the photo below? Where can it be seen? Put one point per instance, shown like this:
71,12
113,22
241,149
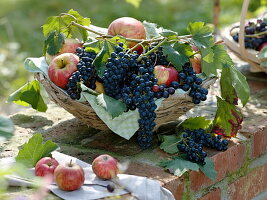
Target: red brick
225,162
259,143
213,195
229,161
250,185
198,180
176,187
178,195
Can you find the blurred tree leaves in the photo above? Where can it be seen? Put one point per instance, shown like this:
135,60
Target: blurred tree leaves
135,3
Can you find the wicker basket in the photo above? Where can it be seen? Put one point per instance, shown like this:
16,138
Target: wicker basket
248,55
171,108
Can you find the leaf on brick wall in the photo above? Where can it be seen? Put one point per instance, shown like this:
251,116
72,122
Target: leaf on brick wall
208,169
169,144
179,166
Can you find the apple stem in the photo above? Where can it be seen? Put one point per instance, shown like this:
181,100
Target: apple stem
70,163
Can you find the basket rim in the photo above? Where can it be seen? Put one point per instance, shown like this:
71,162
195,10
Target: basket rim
251,54
83,110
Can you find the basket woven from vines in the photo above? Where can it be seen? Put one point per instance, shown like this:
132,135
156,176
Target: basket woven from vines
170,109
248,55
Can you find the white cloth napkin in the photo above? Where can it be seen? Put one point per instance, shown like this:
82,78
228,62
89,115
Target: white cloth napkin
140,187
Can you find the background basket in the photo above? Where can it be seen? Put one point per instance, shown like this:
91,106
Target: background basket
170,109
248,55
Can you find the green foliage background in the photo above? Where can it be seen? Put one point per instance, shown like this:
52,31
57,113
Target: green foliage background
21,21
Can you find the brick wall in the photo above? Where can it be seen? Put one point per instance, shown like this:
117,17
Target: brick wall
241,173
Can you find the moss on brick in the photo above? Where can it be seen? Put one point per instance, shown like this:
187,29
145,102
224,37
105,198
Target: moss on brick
188,194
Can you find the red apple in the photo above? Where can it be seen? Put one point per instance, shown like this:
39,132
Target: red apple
70,45
195,48
69,177
196,63
165,75
264,44
105,167
46,166
61,68
130,28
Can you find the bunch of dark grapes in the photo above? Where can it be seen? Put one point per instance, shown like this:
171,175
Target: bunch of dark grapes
85,73
130,78
189,81
192,144
143,96
251,29
157,57
115,74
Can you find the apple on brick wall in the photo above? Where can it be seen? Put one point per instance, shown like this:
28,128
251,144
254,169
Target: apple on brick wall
69,176
46,166
105,167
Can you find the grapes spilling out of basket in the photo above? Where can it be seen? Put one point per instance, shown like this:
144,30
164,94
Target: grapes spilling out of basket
193,141
255,35
132,79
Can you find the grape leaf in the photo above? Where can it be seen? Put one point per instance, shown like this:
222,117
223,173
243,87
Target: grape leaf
6,128
135,3
240,84
169,143
118,39
102,57
228,119
94,46
32,151
179,166
113,107
262,55
168,33
195,123
215,57
61,24
175,57
233,84
208,169
53,43
29,94
184,49
201,34
151,30
264,63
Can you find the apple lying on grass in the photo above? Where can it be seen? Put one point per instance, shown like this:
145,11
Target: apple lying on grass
61,68
46,166
69,46
105,167
165,74
130,28
69,176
